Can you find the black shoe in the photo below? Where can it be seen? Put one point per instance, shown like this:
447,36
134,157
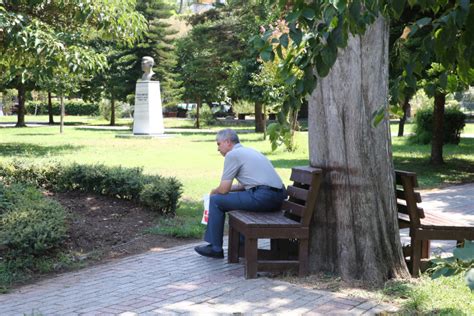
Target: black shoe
207,251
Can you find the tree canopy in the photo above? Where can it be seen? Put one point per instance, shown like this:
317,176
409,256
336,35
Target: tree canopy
38,38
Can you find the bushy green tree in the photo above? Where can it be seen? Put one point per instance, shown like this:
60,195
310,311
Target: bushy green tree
39,40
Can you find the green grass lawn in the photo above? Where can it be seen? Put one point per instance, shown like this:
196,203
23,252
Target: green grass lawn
191,156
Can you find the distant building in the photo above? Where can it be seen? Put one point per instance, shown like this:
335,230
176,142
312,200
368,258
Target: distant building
197,6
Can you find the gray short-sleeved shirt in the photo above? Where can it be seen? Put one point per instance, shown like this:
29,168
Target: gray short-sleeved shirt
250,168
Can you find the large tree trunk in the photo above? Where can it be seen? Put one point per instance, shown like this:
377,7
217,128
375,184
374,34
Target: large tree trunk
259,120
438,130
21,106
355,230
50,109
406,109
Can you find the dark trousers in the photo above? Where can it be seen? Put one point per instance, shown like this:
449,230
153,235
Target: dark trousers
260,199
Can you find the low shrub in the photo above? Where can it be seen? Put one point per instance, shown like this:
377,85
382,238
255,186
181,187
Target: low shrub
72,107
453,124
37,174
158,193
31,224
161,194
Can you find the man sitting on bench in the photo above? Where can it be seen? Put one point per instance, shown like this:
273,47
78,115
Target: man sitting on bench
260,189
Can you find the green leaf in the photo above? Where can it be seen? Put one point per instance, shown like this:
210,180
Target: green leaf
293,16
267,55
470,279
290,80
378,115
296,36
464,4
423,22
464,254
284,40
329,54
279,52
321,67
397,7
340,5
308,13
300,86
440,272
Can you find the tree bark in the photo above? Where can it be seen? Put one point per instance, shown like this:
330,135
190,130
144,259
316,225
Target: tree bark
198,106
355,229
259,121
405,108
438,129
112,111
50,109
21,106
63,113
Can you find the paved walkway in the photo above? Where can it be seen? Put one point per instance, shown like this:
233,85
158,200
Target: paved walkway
178,281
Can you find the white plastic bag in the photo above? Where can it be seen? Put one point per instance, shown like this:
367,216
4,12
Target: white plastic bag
205,213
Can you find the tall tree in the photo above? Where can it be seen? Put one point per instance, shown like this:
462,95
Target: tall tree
37,37
199,68
159,43
439,39
355,229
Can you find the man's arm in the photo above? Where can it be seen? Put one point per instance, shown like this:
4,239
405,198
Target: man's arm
224,187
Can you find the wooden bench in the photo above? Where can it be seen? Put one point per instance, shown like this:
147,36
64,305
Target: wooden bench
424,225
290,223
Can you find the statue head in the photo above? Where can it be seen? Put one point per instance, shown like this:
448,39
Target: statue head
147,65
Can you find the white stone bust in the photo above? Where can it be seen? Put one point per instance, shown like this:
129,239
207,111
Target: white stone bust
147,65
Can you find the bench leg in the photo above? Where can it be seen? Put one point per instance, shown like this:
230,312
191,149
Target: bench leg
250,258
415,257
233,250
425,249
303,257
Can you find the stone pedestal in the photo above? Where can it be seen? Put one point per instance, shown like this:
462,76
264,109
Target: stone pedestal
148,116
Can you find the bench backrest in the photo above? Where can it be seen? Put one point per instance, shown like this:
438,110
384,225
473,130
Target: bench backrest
302,194
407,197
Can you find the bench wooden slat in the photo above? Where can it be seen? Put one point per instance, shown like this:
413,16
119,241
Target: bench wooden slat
263,219
404,209
298,193
293,208
401,195
399,174
301,176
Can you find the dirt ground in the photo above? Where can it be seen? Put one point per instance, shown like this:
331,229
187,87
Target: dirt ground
103,228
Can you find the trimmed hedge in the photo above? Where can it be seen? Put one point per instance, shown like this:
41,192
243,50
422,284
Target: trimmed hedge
454,122
155,192
72,107
31,224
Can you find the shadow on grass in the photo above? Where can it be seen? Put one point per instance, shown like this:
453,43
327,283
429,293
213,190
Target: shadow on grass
289,163
37,134
186,223
103,128
458,167
33,150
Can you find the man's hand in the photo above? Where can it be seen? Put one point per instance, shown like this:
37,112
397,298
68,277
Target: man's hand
224,187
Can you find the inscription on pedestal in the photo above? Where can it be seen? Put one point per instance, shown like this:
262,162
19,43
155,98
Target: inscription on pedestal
148,117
